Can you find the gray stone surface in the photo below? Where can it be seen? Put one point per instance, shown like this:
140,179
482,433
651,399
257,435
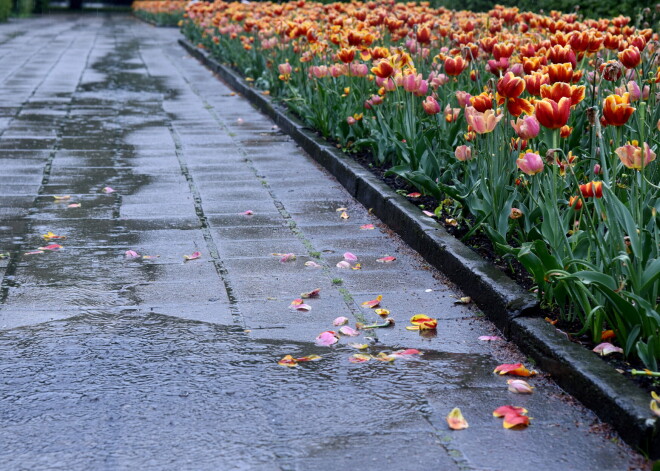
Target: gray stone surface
109,363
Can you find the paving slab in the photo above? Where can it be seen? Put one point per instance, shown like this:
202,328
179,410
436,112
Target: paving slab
155,363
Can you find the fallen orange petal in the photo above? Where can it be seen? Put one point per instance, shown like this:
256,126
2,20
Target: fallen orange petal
504,410
288,361
515,420
515,369
607,335
51,247
382,312
367,227
414,195
62,198
359,358
308,358
456,421
315,293
192,256
424,322
374,302
49,236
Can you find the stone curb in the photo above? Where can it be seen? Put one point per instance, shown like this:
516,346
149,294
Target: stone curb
612,397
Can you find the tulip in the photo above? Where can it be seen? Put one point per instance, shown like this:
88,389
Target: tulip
561,89
463,98
383,69
527,127
575,202
535,81
359,70
597,169
515,213
482,102
318,71
346,55
617,109
455,65
481,123
463,153
630,57
530,163
632,88
510,86
565,131
632,156
560,72
592,189
552,114
431,106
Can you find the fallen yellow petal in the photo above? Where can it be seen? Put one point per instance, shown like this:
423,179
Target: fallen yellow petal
456,421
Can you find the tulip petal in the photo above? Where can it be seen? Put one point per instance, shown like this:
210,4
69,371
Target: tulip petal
131,254
289,361
192,256
359,358
108,190
62,197
315,293
374,302
367,227
414,195
51,236
607,348
340,321
359,346
51,247
349,331
312,264
515,420
386,259
519,386
249,212
287,257
357,266
407,353
515,369
505,410
382,312
343,264
34,252
350,257
423,322
327,338
308,358
74,205
344,215
489,338
456,421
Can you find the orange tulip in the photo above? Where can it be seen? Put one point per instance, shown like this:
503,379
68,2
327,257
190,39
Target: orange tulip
383,69
560,72
482,102
562,54
346,55
552,114
455,65
561,89
635,157
617,110
501,50
518,106
630,57
592,189
575,202
532,64
535,81
510,86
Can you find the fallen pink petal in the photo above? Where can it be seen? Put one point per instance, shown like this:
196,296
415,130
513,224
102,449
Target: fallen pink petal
131,254
607,348
519,386
192,256
350,257
74,205
312,264
428,213
407,353
349,331
34,252
108,190
287,257
367,227
490,338
51,247
327,338
386,259
249,212
343,264
359,358
315,293
340,321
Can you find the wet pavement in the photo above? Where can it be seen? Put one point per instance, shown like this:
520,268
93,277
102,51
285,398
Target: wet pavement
111,363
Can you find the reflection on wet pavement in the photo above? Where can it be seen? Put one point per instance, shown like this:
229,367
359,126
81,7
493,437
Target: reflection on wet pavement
113,363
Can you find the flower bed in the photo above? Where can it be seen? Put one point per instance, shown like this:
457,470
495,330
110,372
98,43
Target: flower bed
541,130
160,12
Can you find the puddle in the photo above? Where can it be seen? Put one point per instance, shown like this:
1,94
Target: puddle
143,391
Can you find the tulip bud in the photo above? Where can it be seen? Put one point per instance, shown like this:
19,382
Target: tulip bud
463,153
431,106
530,163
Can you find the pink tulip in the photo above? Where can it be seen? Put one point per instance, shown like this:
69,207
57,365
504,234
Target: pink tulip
631,155
527,127
481,122
359,70
463,153
285,69
431,106
463,98
530,163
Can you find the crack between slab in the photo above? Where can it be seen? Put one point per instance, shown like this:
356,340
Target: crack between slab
212,247
347,297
